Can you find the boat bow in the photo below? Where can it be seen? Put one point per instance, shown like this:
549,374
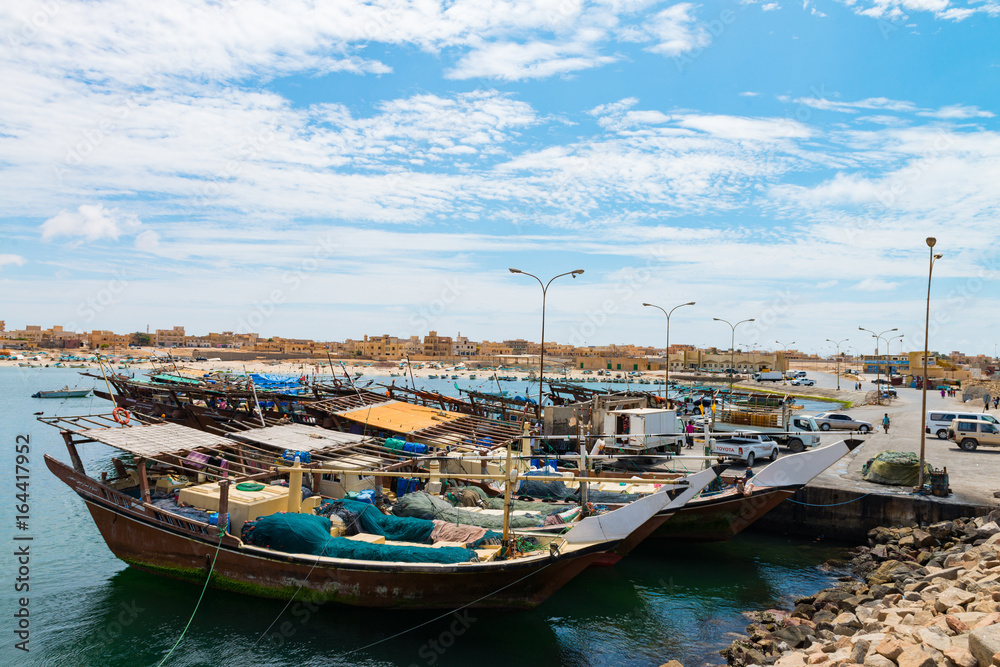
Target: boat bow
622,522
797,470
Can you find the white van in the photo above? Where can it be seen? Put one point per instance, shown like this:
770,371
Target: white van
938,422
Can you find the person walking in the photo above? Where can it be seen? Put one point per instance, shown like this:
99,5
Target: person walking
885,422
942,393
986,402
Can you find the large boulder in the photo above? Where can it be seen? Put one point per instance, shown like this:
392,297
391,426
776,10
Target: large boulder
922,538
795,635
882,574
984,643
953,597
915,657
890,648
941,529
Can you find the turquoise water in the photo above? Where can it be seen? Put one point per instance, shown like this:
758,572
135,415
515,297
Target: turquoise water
665,601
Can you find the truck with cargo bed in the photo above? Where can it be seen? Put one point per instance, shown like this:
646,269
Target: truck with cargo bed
769,376
781,424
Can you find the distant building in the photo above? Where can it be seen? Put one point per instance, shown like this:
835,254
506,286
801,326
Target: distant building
169,337
463,347
436,346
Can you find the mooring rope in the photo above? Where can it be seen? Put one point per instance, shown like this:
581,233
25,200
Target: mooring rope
797,502
222,534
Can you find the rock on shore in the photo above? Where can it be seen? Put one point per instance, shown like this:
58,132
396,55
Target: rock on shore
925,596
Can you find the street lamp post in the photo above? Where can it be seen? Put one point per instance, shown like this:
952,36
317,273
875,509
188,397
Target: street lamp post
878,366
927,325
541,356
732,349
837,343
666,372
784,356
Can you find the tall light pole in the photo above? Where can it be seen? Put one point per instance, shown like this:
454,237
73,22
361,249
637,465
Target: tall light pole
878,366
784,356
732,349
927,326
837,343
541,356
666,372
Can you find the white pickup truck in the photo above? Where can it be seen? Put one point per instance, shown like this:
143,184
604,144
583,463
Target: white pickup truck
746,445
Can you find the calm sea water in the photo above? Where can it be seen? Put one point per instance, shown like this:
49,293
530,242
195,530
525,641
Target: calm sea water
665,601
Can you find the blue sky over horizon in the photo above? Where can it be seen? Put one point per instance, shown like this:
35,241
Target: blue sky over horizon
330,170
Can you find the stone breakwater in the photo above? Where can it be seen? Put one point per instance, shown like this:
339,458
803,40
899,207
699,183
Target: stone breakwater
922,596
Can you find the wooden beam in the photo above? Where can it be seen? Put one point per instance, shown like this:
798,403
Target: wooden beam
140,466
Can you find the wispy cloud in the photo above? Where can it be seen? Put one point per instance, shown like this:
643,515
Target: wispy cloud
11,260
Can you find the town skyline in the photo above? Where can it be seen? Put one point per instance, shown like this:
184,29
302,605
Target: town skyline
391,347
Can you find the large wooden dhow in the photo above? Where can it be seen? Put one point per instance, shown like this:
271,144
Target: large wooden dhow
168,543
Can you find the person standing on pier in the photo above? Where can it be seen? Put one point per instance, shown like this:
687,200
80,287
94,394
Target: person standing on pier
885,422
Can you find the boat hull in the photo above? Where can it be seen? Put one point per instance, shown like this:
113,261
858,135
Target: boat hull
720,519
135,534
73,393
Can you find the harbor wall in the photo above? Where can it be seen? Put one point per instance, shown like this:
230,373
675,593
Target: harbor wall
836,513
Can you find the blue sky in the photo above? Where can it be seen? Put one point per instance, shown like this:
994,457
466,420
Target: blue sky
335,169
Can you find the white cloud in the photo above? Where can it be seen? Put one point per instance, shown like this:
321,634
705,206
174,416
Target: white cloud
512,61
90,222
676,30
901,10
957,112
749,94
882,103
875,285
770,6
147,241
11,260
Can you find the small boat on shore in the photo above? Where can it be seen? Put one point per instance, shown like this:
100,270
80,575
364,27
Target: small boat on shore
65,392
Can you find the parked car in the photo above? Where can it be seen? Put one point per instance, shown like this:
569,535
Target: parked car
838,420
970,433
880,381
746,445
938,422
797,374
803,382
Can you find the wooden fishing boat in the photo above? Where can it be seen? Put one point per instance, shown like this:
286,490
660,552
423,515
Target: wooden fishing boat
160,541
65,392
719,516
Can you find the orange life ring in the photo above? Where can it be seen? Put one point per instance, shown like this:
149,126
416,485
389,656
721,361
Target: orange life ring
121,415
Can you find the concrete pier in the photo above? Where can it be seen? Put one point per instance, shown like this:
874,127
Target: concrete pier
840,504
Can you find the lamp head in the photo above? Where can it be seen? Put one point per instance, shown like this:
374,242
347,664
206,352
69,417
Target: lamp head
647,304
689,303
577,272
931,241
938,256
717,319
515,270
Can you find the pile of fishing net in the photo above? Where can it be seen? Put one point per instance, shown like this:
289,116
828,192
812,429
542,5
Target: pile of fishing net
361,517
310,534
895,469
422,505
557,490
